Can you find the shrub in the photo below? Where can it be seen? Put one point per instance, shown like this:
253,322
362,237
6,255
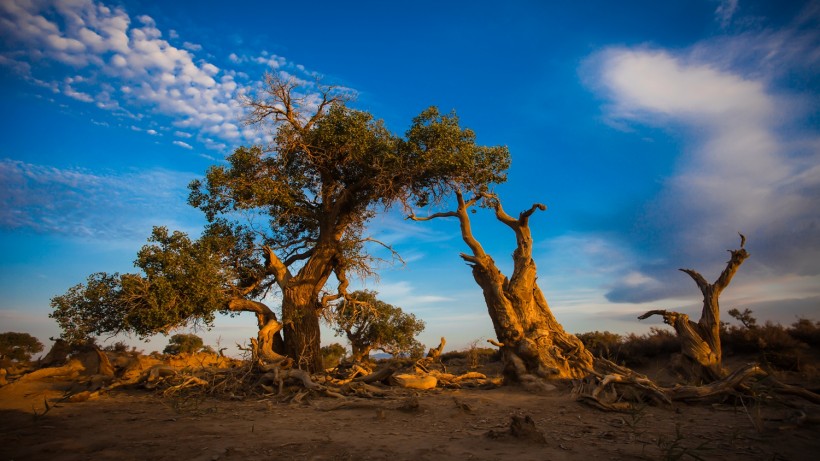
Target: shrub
18,346
602,343
183,343
332,355
637,350
806,331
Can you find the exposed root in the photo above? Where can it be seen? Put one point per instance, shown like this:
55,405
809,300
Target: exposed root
615,388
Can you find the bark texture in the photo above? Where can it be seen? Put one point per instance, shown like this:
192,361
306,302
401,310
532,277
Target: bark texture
700,342
533,343
268,345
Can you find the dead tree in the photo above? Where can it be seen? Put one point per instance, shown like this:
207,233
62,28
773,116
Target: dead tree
532,342
700,342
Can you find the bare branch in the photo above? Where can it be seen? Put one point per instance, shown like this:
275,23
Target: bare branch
525,215
395,254
446,214
701,282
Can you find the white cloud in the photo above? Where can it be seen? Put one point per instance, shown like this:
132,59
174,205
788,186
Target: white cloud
191,46
183,144
739,172
139,69
83,203
725,11
103,44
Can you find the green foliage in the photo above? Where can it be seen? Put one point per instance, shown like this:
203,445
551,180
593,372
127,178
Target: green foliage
182,281
744,317
183,343
18,346
333,354
292,212
371,324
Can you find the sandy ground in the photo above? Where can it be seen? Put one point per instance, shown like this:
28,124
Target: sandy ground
445,424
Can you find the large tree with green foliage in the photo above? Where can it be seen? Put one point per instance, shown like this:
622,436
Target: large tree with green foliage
372,324
286,216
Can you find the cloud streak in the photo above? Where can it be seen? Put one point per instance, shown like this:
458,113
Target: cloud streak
85,204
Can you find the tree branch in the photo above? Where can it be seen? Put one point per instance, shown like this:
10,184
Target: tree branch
699,279
275,267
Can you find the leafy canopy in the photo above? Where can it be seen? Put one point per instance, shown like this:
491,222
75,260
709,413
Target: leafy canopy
372,324
287,214
183,343
18,346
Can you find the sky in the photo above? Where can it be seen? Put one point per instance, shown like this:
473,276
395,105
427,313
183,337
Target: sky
653,131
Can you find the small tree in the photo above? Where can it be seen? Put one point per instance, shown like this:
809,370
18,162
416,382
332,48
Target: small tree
18,346
333,354
183,344
371,324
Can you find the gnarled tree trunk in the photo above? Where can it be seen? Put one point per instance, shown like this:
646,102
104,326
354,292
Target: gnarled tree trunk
268,344
532,341
700,342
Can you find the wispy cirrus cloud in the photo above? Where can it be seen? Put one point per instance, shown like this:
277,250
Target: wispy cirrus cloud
87,204
751,163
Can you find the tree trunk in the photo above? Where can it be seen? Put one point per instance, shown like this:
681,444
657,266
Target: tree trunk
700,342
359,352
268,344
532,341
300,315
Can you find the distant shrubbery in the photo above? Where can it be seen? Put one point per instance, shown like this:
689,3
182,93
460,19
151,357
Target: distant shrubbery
186,343
18,347
632,349
776,345
472,357
779,346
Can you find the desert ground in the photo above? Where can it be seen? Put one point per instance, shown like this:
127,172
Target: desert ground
136,423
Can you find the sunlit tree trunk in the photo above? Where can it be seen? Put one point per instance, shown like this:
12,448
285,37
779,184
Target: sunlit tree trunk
532,341
700,342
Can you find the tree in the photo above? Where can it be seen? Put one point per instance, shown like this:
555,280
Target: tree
532,341
371,324
183,343
332,355
18,346
286,217
700,342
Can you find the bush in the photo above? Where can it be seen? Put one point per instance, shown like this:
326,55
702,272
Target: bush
18,346
775,345
806,331
602,343
183,343
332,355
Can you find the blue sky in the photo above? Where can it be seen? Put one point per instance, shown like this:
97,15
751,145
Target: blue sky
654,132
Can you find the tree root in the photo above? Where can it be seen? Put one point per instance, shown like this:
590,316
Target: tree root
604,388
